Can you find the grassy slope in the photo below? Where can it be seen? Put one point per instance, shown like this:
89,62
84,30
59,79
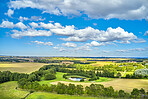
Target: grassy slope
44,95
20,67
8,91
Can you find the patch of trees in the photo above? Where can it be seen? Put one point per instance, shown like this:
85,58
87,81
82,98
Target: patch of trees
47,61
8,76
71,89
13,60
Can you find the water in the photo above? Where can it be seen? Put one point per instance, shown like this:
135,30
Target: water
75,79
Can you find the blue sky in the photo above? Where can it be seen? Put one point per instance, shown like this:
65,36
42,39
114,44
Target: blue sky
74,28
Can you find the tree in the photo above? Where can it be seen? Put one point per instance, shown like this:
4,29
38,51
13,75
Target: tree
135,93
79,89
142,91
121,93
49,76
32,77
22,82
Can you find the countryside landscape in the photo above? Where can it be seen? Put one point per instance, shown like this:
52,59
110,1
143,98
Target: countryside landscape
73,49
43,77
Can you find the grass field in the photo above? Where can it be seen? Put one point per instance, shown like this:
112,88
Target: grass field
44,95
8,91
20,67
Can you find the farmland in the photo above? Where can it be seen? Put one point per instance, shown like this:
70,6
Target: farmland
20,67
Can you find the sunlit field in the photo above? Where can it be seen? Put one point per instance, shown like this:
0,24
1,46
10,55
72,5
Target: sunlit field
20,67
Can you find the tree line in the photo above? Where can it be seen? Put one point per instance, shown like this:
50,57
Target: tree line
95,90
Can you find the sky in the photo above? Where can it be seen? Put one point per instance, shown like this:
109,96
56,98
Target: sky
88,28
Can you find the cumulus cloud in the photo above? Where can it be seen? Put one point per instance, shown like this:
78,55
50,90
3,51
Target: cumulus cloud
20,25
42,43
7,24
69,44
94,43
107,9
30,32
109,35
78,35
146,33
32,18
10,12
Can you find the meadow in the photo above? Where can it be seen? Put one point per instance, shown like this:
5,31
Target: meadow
20,67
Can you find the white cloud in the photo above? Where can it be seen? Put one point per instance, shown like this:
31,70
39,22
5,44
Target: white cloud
7,24
10,12
100,35
104,51
32,18
146,33
131,50
69,44
23,18
62,49
78,35
94,43
66,31
83,48
122,9
56,47
20,25
34,25
30,32
139,41
42,43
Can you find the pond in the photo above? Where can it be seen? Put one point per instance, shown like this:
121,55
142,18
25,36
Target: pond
76,78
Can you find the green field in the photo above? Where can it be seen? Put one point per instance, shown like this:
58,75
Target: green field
44,95
21,67
8,91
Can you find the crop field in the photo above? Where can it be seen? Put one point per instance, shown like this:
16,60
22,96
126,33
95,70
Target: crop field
20,67
102,63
